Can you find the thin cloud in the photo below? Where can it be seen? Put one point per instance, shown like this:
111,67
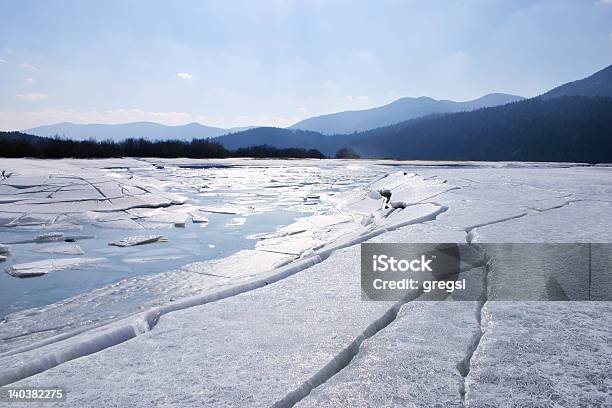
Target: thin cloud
32,96
2,61
328,83
27,66
29,80
459,54
184,75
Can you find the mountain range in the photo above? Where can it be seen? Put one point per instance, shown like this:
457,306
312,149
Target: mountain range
395,112
148,130
572,122
336,123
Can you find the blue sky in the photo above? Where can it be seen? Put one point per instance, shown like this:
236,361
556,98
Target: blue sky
238,63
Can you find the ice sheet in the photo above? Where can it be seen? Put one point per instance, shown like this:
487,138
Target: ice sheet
254,348
543,354
279,341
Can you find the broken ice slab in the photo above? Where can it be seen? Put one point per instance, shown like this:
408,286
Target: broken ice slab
224,209
2,258
50,236
236,222
38,268
62,249
148,259
198,218
154,217
136,240
5,249
24,182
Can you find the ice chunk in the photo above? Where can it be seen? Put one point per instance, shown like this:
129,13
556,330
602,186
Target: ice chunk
248,262
154,217
2,258
224,209
62,249
136,240
148,259
235,222
198,218
5,249
50,236
38,268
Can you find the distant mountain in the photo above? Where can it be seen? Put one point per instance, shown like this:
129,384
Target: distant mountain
598,84
569,129
148,130
565,129
401,110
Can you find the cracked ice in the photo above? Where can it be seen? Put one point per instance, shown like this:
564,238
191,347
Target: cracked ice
304,336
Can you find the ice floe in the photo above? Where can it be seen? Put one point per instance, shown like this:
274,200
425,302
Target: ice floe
38,268
236,222
62,249
136,240
49,236
198,218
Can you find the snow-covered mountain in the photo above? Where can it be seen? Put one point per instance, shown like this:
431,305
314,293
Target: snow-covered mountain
398,111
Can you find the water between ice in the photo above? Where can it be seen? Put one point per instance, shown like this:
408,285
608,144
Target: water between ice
196,242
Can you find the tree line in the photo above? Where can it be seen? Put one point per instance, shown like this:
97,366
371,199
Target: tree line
17,144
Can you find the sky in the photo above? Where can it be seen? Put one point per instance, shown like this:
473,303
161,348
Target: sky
247,63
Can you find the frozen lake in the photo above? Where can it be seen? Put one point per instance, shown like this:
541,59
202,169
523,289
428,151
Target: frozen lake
273,314
70,210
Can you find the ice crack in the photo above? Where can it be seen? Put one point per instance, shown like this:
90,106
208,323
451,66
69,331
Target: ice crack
464,365
342,359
